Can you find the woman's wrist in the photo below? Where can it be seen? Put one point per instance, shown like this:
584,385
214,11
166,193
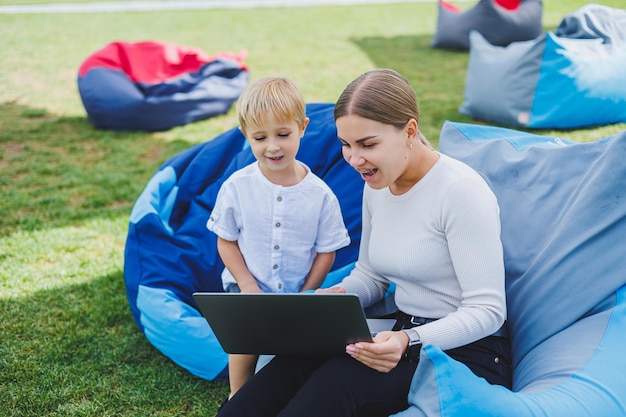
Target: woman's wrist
414,345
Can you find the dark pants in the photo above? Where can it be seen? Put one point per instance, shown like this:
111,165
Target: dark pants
342,386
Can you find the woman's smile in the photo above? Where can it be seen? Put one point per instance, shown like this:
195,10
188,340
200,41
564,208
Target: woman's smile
368,174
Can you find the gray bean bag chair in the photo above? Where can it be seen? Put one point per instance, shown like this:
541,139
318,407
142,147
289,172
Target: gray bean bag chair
563,212
571,78
499,21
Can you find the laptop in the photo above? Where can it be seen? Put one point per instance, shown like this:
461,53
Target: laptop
287,324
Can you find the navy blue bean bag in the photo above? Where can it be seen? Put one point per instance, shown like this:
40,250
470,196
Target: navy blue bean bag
154,86
170,254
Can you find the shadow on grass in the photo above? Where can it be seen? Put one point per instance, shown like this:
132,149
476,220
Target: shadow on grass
437,76
55,171
76,350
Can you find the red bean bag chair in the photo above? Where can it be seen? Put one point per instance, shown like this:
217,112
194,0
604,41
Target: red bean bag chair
153,86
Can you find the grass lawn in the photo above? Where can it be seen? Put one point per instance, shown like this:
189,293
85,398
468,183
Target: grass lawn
68,343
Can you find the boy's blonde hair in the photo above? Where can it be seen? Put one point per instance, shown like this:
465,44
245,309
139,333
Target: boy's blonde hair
271,96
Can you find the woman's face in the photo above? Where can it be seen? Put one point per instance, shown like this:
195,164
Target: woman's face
378,151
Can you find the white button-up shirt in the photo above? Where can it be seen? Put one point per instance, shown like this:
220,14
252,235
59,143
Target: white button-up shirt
279,229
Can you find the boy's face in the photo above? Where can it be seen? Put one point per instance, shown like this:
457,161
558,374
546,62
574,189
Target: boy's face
275,145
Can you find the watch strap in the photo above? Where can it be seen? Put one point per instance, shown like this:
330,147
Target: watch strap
412,352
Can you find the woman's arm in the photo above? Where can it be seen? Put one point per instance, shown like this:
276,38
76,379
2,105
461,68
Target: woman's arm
233,260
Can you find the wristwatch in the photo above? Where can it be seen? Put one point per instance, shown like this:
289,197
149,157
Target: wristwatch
412,352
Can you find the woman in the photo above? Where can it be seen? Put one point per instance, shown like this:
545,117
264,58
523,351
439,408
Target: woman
430,226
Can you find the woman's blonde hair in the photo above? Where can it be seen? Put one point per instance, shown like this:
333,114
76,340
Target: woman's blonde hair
381,95
276,97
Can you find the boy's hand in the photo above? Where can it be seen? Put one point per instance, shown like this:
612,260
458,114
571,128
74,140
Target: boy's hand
251,287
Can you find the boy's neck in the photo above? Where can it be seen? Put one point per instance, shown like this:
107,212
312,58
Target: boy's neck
287,177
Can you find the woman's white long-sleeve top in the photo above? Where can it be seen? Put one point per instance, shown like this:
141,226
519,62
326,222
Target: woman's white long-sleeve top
440,244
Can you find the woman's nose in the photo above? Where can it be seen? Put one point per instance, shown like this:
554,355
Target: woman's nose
353,158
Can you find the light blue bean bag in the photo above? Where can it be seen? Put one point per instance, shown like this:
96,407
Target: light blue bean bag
570,78
563,211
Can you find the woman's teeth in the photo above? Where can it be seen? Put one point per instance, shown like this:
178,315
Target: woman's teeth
368,172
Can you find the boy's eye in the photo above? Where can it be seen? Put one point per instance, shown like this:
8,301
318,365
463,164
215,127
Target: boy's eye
259,137
284,134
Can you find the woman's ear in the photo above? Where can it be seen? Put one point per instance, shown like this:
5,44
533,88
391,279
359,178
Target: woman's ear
411,129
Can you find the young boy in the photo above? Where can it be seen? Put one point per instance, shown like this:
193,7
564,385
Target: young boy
278,224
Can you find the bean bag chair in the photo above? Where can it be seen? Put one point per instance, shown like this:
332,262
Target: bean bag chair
170,254
571,78
563,211
499,21
154,86
563,214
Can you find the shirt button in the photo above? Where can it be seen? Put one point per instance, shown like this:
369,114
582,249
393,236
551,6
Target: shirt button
279,198
280,286
278,224
275,267
276,247
497,360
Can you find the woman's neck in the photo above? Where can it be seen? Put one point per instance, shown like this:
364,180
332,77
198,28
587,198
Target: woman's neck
421,160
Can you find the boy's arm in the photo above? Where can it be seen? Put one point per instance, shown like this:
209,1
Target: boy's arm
321,265
233,260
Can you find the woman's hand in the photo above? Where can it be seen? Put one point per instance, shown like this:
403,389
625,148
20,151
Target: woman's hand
383,354
331,290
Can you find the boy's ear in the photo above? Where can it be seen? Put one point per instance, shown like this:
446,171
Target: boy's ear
305,123
243,132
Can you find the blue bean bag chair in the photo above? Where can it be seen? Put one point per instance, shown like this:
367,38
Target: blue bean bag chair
154,86
501,22
563,211
571,78
170,254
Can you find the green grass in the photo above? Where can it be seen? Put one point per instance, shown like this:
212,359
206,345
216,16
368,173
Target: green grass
68,343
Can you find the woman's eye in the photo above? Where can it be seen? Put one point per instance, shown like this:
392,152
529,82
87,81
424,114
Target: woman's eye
368,145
